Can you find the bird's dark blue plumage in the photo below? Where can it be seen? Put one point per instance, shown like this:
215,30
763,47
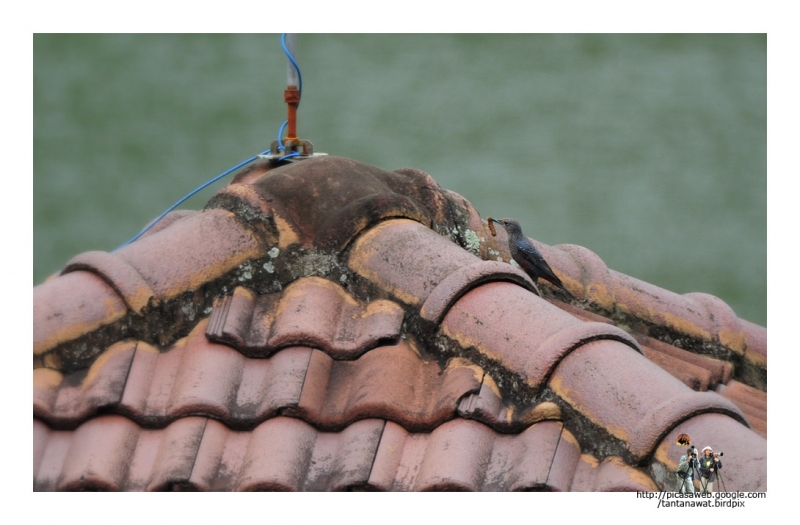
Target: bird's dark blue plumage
527,256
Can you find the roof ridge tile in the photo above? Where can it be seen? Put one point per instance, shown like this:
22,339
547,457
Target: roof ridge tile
123,277
465,278
533,336
639,413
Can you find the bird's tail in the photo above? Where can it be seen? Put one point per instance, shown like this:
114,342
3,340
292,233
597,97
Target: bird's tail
557,282
569,294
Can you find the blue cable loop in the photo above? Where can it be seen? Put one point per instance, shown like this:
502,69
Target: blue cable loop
243,163
280,135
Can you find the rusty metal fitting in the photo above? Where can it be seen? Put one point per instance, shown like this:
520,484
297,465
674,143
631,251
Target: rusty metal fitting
291,95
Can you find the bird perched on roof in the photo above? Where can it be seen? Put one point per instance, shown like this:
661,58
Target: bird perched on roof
527,256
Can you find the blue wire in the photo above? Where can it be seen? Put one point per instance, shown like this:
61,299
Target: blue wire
292,154
243,163
294,63
280,135
197,189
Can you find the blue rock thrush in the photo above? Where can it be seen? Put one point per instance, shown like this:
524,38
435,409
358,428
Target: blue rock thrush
527,256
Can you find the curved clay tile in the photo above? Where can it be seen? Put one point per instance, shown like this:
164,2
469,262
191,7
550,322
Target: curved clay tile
123,277
68,307
179,258
65,401
693,320
333,320
690,317
390,382
113,453
199,377
466,455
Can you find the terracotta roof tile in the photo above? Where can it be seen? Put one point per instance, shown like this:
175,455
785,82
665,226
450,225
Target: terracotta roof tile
598,380
62,401
69,307
718,371
198,377
329,325
610,475
390,382
332,320
533,336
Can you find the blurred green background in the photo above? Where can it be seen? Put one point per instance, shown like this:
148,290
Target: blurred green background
650,150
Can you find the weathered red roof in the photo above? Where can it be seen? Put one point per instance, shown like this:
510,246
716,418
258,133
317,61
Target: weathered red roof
328,325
